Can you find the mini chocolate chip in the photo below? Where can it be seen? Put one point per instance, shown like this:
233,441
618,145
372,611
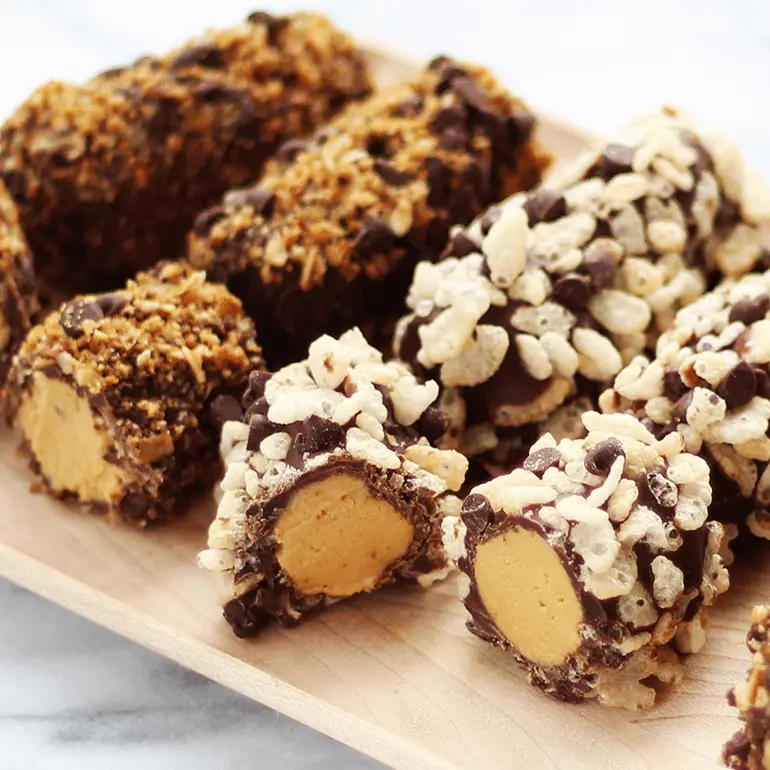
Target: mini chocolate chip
673,385
111,303
477,513
274,24
573,291
615,159
260,406
203,55
520,125
750,311
599,459
448,70
439,182
259,429
541,460
452,117
319,434
377,146
437,61
376,237
224,409
391,174
544,205
704,161
289,150
433,424
728,214
681,407
462,245
600,266
491,216
452,139
763,381
409,107
207,219
469,92
76,313
261,200
256,387
739,386
663,490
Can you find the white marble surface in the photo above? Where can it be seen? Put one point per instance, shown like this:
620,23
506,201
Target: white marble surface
75,696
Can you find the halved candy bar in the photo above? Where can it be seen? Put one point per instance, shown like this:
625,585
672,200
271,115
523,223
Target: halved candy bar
332,487
749,748
111,392
592,561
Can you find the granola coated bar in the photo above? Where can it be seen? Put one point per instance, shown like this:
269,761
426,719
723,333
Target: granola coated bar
548,294
329,237
109,175
18,296
111,392
593,561
331,487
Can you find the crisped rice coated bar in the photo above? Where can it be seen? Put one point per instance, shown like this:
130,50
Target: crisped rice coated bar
710,382
329,237
109,175
592,561
111,392
331,487
550,293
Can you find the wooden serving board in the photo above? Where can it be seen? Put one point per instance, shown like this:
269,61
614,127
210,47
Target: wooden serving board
395,675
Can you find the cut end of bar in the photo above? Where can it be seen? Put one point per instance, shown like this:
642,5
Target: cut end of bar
67,443
336,537
530,596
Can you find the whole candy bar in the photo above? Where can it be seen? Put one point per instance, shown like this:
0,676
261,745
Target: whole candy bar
18,298
749,748
331,486
329,237
591,560
710,382
109,175
111,392
549,293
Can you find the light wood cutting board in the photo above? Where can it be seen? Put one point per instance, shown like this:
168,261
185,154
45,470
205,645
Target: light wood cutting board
395,675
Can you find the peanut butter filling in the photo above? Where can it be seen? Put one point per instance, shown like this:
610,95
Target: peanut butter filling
336,538
67,443
529,595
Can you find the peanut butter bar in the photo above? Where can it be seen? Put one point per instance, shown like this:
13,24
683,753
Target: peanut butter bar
109,175
749,748
329,237
548,294
710,383
18,297
593,561
332,486
111,392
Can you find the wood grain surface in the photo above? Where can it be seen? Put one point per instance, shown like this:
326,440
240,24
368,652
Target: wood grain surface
395,675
